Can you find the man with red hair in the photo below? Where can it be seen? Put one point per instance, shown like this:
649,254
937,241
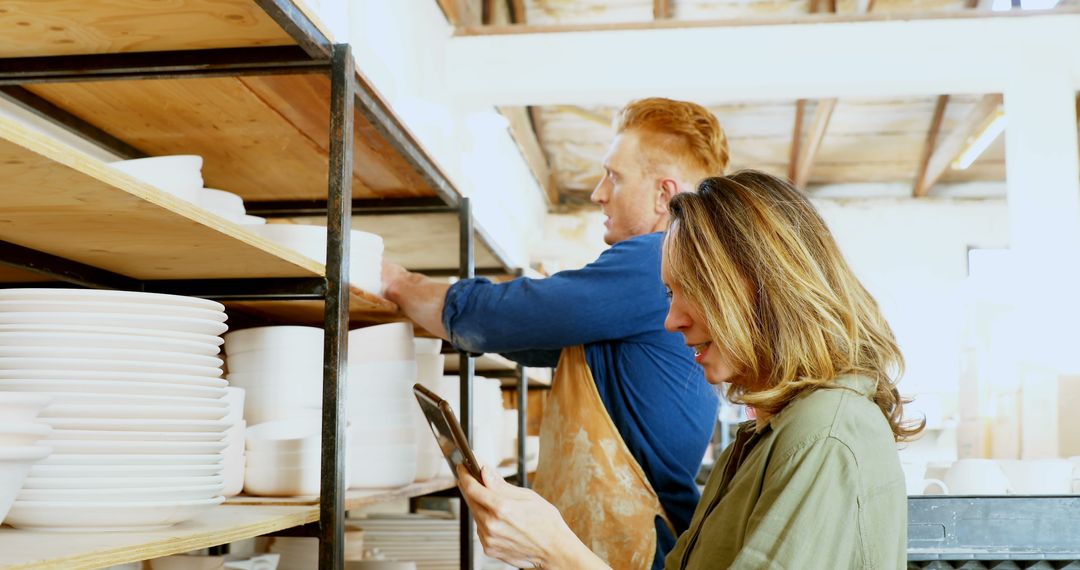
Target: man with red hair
629,414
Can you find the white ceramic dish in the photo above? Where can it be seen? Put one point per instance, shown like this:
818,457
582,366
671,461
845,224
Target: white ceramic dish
280,481
308,457
381,466
15,463
120,447
68,307
359,436
92,471
109,424
247,220
107,435
91,341
18,406
135,412
123,495
84,364
307,240
146,334
33,482
273,338
18,434
103,459
105,516
430,346
221,202
382,343
47,387
276,359
125,320
86,399
179,175
234,399
116,376
109,296
75,351
284,436
365,255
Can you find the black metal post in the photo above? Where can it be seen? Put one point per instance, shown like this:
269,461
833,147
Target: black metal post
466,372
523,422
335,348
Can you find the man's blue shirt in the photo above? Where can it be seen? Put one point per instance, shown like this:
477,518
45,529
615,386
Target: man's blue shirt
654,392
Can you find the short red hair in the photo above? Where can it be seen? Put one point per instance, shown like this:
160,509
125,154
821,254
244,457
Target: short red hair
689,133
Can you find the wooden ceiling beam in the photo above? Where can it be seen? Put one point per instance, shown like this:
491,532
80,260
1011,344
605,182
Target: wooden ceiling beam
661,9
528,142
814,135
951,147
517,11
921,188
796,139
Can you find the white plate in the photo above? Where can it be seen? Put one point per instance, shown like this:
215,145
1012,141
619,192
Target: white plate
105,516
86,364
50,386
80,472
84,399
186,493
138,321
34,482
72,411
106,295
84,447
106,435
76,351
95,307
139,424
99,342
114,376
214,459
148,335
22,407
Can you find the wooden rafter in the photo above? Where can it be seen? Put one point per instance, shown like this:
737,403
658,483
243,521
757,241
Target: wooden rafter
953,144
921,187
814,135
528,142
661,9
517,11
796,138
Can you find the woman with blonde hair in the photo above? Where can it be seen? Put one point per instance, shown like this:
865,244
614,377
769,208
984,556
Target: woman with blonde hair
762,293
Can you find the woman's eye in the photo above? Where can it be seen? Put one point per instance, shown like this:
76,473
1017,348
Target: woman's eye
668,293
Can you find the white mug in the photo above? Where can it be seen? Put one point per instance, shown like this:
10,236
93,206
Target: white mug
976,477
1038,476
916,482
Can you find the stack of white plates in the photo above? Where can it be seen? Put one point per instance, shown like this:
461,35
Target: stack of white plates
283,458
365,250
234,454
299,553
137,409
280,368
20,434
381,406
429,540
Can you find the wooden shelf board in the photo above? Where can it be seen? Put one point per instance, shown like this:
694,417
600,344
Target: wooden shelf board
74,27
24,550
496,363
363,308
66,203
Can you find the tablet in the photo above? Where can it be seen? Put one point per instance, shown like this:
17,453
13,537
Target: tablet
447,431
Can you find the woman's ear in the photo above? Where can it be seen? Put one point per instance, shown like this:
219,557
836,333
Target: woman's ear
668,189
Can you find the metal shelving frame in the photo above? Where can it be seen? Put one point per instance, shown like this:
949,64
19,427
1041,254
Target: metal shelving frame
313,53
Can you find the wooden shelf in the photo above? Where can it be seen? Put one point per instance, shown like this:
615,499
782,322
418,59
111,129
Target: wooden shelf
498,366
24,550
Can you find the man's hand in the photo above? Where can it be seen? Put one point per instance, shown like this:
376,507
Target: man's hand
520,528
391,274
420,298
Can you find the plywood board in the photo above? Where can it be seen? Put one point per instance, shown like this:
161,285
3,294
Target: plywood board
24,550
66,203
67,27
364,308
264,138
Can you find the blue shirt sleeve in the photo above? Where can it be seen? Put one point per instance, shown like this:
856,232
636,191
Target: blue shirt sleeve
615,297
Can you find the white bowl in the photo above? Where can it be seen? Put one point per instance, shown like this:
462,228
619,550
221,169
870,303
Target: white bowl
107,296
381,466
277,359
157,493
135,482
88,341
22,406
268,460
106,516
428,346
247,220
280,481
61,386
180,175
221,202
15,463
284,436
381,343
93,471
307,240
273,338
18,434
361,436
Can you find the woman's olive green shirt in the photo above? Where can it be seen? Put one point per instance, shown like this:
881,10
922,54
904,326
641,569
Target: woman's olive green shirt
818,486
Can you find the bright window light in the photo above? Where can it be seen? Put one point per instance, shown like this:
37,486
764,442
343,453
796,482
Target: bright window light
1038,4
980,142
1001,5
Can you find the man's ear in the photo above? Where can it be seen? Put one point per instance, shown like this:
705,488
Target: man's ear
668,189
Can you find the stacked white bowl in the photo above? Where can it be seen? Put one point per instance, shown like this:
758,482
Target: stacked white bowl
381,406
283,458
20,434
365,250
486,440
429,372
137,405
179,175
280,368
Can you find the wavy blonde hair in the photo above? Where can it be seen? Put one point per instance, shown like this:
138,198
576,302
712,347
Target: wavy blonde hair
775,293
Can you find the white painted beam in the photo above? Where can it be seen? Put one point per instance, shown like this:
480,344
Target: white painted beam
764,62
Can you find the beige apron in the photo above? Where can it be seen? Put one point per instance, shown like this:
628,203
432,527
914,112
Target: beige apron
587,471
